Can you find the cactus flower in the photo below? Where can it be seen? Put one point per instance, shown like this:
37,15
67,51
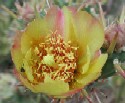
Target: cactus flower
59,54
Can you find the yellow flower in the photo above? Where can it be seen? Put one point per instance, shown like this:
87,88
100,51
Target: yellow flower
59,54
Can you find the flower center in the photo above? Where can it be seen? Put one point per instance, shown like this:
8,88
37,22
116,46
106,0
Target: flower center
55,58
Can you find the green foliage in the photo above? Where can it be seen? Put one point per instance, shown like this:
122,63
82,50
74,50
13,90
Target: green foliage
108,69
42,13
4,25
20,96
9,4
60,3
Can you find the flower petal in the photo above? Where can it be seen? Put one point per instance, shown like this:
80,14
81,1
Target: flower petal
94,71
50,87
54,87
35,32
27,64
69,32
56,20
16,53
84,62
89,32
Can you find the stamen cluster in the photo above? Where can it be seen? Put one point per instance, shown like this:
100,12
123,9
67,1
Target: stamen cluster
55,58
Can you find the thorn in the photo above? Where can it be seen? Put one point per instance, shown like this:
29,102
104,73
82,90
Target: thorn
53,100
86,3
113,44
42,5
102,14
71,96
84,92
97,90
119,68
81,96
103,94
26,90
122,17
45,11
47,1
9,11
19,85
99,101
62,101
36,11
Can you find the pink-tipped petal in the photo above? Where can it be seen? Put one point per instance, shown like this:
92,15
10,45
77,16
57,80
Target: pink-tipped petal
55,20
16,53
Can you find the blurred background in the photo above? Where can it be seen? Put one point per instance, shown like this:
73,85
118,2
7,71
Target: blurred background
14,15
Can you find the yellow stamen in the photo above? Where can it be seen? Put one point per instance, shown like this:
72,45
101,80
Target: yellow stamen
55,58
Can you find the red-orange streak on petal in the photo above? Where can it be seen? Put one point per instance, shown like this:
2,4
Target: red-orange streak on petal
16,73
97,54
55,19
60,22
72,92
17,39
72,9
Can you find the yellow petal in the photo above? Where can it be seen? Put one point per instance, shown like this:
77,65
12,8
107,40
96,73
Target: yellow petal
84,62
50,87
97,65
16,53
89,32
94,71
54,87
28,71
69,33
28,65
35,32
